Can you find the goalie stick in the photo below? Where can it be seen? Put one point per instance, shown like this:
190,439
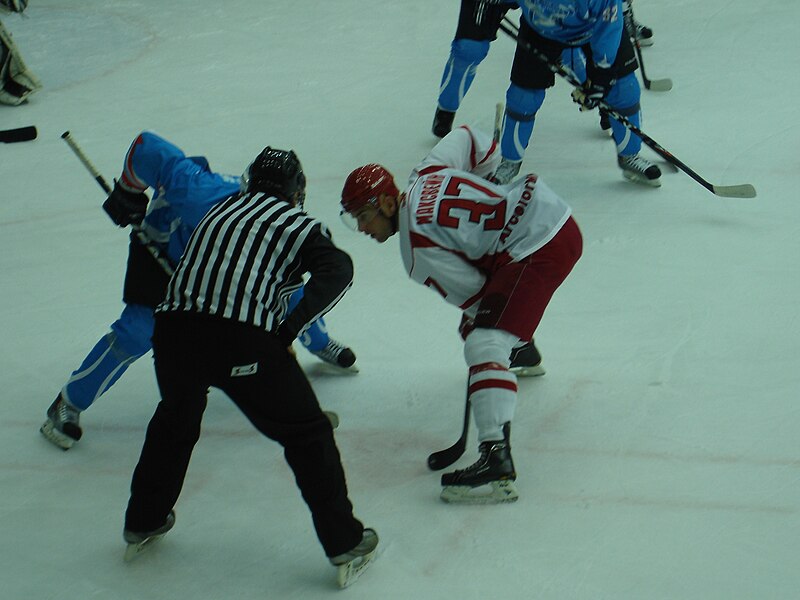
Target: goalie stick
154,251
444,458
744,190
20,134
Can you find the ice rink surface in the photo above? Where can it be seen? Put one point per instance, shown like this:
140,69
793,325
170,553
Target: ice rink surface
657,459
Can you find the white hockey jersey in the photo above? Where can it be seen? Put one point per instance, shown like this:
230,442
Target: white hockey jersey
454,225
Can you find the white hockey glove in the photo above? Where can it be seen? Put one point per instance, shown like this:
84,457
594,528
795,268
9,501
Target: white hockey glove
595,89
16,81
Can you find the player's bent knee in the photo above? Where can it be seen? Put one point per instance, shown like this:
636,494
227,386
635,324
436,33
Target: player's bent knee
470,51
523,101
489,346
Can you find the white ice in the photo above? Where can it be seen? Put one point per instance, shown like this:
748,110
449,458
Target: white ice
657,459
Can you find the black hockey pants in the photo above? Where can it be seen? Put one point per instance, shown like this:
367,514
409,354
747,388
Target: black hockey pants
193,352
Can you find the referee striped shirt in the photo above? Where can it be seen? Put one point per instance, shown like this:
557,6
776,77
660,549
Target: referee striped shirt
248,255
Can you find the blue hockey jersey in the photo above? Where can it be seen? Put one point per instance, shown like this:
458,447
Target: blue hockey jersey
184,189
577,22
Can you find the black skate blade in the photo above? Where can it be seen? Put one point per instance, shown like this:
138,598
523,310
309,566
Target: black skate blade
500,492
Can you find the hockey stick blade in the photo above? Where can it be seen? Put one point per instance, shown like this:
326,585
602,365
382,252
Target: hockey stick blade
444,458
21,134
737,191
658,85
744,190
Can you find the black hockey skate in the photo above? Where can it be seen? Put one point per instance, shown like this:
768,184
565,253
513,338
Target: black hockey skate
338,355
351,565
494,468
139,541
639,170
526,361
643,34
62,426
442,122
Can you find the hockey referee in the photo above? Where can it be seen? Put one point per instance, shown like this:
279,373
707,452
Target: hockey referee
223,323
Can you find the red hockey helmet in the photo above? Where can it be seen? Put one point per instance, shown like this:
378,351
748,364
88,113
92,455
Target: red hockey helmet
364,185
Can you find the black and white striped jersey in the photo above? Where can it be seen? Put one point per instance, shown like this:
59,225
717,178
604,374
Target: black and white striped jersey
246,257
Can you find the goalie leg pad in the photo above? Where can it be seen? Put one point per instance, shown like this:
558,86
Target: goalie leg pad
16,80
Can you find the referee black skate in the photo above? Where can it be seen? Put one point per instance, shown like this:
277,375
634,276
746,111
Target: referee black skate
223,323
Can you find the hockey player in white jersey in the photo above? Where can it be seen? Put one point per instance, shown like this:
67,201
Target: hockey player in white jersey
498,253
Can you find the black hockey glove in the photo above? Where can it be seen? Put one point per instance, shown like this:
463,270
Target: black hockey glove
125,207
598,84
13,5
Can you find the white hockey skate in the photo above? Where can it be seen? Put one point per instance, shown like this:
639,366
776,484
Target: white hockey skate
351,565
138,542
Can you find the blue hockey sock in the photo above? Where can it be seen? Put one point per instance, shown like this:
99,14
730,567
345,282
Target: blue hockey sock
624,98
465,56
129,339
521,107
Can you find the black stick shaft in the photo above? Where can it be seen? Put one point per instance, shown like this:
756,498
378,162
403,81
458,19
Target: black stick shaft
444,458
154,251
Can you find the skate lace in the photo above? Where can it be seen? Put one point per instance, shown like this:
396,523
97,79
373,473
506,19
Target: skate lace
482,461
636,163
66,414
331,352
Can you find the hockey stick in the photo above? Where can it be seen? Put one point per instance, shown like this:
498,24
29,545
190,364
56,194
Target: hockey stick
744,190
498,122
444,458
154,251
657,85
21,134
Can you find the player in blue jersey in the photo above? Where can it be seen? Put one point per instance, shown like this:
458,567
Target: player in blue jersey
596,26
478,22
567,31
184,190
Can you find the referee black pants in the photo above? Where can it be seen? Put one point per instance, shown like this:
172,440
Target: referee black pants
193,352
